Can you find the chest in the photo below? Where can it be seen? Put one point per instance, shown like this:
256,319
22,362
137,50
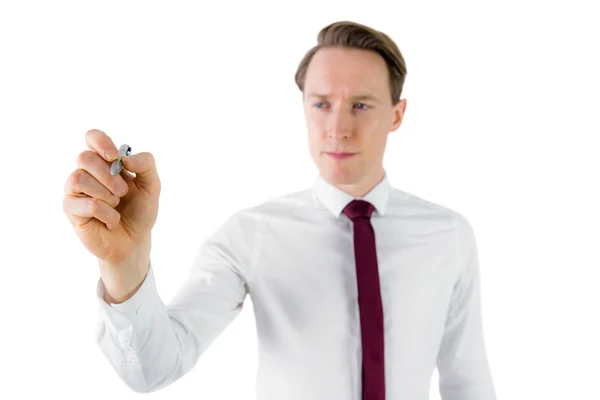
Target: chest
308,275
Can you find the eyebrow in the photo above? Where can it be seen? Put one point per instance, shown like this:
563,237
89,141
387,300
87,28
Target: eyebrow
358,97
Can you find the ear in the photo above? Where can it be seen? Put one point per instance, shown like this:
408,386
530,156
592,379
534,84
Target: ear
398,112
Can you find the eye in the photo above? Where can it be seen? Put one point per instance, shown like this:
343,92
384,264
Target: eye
317,104
365,107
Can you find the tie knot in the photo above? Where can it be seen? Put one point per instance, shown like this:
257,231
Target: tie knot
358,209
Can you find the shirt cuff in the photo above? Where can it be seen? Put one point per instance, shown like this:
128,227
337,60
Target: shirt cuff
135,311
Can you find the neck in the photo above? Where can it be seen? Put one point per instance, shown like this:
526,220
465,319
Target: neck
364,186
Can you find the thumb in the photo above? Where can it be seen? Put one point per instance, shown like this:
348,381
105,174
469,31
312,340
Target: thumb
144,167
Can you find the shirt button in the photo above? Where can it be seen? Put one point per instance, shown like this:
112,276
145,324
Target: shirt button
124,339
138,310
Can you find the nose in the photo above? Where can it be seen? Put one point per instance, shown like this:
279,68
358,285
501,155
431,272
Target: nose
339,123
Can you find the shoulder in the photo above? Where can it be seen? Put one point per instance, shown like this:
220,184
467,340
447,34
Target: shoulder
411,206
252,217
279,206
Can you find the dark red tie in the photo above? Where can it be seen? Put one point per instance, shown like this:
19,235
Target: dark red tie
369,300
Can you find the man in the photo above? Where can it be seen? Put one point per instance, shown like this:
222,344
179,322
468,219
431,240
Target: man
359,289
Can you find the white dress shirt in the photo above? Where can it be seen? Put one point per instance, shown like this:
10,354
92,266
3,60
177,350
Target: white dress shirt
294,256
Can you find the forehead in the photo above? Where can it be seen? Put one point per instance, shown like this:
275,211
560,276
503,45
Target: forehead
346,71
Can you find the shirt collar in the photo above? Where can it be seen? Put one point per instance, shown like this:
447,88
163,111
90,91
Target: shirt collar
335,200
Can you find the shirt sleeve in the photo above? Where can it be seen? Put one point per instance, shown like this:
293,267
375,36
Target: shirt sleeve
462,362
150,344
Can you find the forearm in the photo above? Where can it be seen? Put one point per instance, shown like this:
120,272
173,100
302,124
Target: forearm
151,345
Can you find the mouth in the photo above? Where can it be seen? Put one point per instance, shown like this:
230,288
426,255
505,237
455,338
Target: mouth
339,156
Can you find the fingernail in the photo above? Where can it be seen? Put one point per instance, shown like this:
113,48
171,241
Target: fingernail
121,189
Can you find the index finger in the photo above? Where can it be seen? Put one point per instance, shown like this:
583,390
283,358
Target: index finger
99,142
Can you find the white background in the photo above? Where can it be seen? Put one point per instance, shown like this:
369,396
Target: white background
501,125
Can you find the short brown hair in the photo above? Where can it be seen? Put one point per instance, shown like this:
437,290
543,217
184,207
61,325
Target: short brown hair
354,35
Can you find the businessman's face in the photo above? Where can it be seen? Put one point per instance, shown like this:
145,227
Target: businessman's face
340,120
